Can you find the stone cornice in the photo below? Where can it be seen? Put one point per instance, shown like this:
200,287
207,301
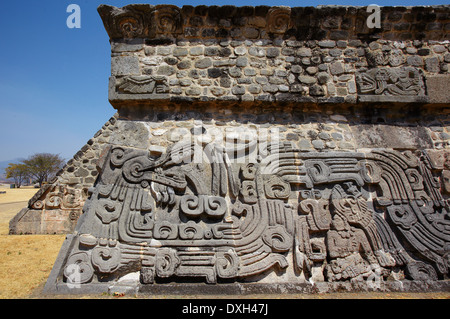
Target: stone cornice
264,22
262,54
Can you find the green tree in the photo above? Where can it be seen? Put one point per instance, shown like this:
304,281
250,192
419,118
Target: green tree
43,166
19,172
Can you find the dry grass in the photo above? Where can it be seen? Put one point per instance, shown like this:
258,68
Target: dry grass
16,194
11,203
25,261
8,211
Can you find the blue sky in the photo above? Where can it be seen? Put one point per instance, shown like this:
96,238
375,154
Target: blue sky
54,80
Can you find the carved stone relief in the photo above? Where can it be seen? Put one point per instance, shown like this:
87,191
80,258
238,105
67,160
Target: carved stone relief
168,19
198,210
279,19
406,81
143,84
54,209
233,207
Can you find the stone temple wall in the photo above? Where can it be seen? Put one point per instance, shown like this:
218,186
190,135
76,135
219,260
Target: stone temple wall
277,54
258,54
264,147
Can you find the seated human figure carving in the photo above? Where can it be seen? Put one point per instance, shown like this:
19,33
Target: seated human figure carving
349,251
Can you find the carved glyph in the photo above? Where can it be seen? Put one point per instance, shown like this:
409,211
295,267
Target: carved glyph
168,19
279,19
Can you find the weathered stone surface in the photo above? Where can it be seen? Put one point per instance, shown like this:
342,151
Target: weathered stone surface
134,186
307,79
387,136
251,145
432,65
127,46
203,63
125,65
385,84
56,208
438,88
334,53
327,44
337,68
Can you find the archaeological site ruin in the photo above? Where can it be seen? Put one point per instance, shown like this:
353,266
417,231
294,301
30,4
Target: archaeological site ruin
261,149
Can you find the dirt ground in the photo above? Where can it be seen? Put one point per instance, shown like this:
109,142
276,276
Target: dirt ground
26,262
370,295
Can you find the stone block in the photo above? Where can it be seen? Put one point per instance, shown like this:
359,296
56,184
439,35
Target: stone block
432,65
131,45
257,51
446,181
296,69
272,52
180,51
250,72
254,89
307,79
250,33
438,88
327,43
270,88
438,158
304,52
203,63
415,60
316,90
337,68
447,57
125,65
390,136
240,50
238,90
164,50
311,70
195,51
318,144
185,64
438,48
235,72
166,70
262,80
215,72
193,91
241,61
304,144
133,134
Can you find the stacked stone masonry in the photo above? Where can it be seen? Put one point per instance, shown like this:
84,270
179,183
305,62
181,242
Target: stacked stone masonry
271,70
325,54
265,145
